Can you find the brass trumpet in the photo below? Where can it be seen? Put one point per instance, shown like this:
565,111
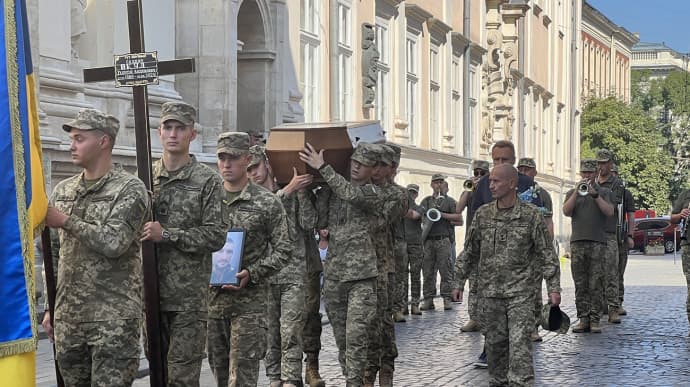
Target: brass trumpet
583,189
468,185
432,216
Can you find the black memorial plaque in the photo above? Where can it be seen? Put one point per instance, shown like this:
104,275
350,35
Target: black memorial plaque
139,69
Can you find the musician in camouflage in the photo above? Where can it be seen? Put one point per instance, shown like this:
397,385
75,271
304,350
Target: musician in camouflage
347,208
507,242
188,227
237,314
285,303
415,253
98,215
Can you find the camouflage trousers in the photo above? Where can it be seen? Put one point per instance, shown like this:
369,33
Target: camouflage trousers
507,324
622,264
183,336
686,271
99,353
285,311
610,278
382,349
398,282
415,254
311,333
473,297
436,259
587,267
351,308
538,300
235,346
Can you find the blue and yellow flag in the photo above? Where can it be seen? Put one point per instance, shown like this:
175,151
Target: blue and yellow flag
23,202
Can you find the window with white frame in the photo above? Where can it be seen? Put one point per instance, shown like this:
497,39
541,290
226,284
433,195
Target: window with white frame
344,50
456,101
474,114
383,77
310,44
411,87
434,98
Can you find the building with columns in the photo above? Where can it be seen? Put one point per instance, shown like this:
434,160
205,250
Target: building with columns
659,59
446,78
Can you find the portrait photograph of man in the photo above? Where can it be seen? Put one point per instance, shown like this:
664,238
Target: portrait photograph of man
227,261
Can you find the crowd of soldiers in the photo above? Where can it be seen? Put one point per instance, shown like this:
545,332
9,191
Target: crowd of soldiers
379,240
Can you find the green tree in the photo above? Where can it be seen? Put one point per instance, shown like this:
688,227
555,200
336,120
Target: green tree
633,137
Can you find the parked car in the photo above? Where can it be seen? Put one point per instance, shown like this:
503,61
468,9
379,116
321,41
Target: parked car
656,228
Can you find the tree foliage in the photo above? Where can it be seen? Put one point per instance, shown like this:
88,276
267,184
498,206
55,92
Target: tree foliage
632,136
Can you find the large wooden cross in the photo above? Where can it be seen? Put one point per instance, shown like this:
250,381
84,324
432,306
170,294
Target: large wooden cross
143,149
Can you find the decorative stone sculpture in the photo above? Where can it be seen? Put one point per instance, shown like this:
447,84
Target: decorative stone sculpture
78,24
370,57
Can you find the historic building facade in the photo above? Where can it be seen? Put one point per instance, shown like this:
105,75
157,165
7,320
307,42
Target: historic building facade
446,78
659,59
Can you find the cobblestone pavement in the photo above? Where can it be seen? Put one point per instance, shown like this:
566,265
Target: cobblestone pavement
650,347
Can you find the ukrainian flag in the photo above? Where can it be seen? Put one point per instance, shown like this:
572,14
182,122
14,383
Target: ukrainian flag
23,200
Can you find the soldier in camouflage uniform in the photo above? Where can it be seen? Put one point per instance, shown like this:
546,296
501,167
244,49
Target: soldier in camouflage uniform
626,243
680,213
188,228
311,334
415,252
507,242
528,166
587,245
285,304
98,215
437,245
350,270
237,314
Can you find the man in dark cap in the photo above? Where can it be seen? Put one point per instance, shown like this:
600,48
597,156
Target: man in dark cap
415,250
97,216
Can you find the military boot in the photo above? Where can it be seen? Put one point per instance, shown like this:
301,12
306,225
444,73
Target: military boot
622,311
386,377
398,317
406,311
582,326
414,309
427,305
470,326
369,378
594,327
311,373
613,317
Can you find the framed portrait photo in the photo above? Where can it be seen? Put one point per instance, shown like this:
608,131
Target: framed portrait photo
227,262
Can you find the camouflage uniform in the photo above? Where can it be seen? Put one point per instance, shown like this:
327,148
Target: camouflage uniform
682,202
437,248
98,263
415,252
311,333
350,269
628,208
236,324
507,246
286,294
187,203
613,241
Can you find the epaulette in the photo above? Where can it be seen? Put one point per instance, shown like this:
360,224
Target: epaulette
369,190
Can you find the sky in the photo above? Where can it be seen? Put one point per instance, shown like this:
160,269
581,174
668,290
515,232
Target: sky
656,21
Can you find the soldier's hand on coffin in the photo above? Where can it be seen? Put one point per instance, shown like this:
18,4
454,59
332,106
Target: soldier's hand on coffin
153,231
298,183
244,277
311,157
55,218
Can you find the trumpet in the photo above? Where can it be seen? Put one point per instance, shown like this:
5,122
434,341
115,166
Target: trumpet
583,188
468,185
433,214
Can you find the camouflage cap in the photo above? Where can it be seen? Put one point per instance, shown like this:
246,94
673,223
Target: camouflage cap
604,155
527,162
258,154
178,111
588,165
413,187
480,164
92,119
398,151
437,176
554,319
366,154
387,155
233,143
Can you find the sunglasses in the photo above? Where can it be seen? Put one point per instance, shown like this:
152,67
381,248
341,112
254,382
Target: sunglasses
479,172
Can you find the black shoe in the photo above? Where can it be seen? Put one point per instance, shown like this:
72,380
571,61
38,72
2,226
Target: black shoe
481,362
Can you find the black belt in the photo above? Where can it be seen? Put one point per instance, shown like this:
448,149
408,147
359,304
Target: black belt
437,237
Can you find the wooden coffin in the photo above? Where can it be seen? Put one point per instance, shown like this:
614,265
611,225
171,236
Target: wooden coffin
338,139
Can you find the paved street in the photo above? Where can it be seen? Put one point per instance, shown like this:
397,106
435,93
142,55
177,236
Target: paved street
650,347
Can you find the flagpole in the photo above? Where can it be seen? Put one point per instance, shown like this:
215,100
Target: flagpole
51,290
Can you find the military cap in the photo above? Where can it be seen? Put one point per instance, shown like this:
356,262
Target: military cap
554,319
92,119
398,151
437,176
527,162
413,187
387,154
366,154
604,155
233,143
258,154
178,111
588,165
480,164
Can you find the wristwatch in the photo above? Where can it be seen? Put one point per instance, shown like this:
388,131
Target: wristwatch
166,235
